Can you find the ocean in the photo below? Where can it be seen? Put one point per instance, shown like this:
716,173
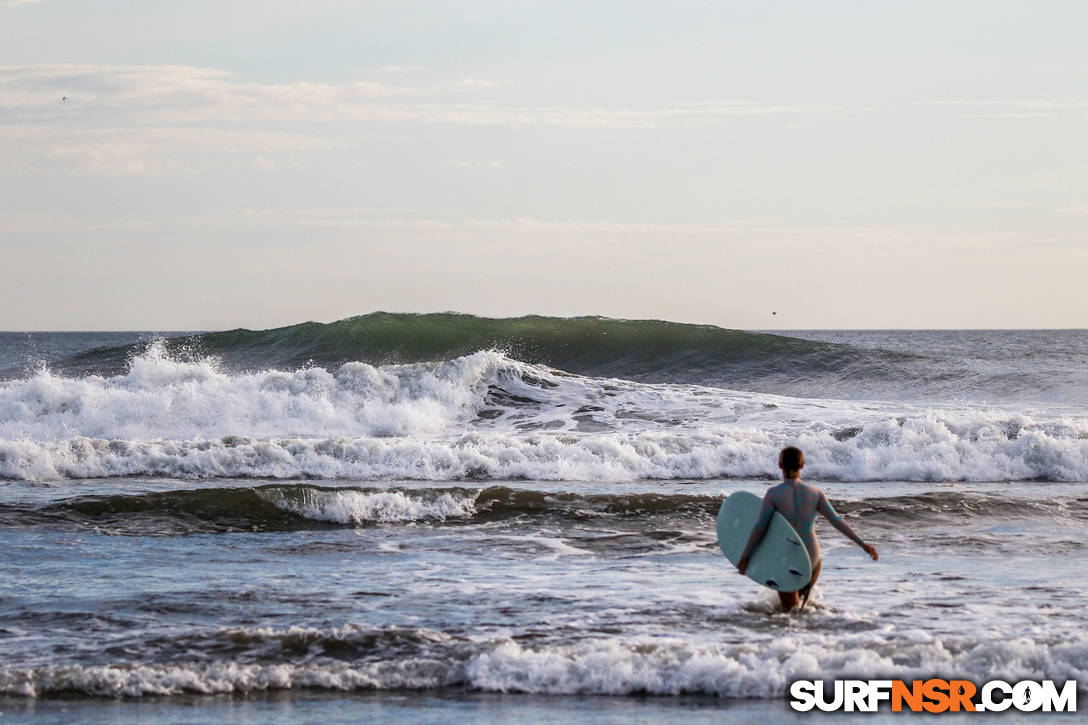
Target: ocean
433,518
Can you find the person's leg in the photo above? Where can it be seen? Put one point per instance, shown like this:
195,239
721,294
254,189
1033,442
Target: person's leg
807,589
790,600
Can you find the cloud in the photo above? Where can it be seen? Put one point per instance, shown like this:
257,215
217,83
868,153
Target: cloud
265,164
1033,206
475,164
18,2
424,222
140,151
477,83
347,217
169,94
1015,107
1018,103
145,120
651,238
478,114
156,93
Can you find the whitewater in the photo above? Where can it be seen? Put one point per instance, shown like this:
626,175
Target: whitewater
413,515
488,416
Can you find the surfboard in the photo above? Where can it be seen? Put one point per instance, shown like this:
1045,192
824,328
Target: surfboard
780,561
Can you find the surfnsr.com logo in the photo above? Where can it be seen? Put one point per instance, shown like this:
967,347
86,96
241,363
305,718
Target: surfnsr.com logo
933,695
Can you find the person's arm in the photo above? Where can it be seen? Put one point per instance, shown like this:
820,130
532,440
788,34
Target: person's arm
758,532
824,507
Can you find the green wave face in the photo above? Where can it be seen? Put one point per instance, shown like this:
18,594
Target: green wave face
580,344
648,350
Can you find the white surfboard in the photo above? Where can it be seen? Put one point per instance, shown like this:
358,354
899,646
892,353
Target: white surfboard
780,561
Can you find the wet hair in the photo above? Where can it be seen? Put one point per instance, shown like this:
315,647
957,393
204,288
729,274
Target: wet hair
791,460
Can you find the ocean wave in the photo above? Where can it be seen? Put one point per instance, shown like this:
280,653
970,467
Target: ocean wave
665,667
358,507
159,396
999,366
287,507
924,450
277,507
651,350
487,416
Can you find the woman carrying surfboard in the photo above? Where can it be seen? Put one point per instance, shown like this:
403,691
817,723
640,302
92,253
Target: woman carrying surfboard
799,503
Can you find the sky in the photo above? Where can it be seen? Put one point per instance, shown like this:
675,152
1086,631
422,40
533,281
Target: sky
231,163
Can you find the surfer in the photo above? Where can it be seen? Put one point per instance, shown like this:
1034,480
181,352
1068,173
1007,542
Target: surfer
799,503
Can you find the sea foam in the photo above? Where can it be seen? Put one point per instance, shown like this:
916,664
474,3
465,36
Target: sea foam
486,416
159,397
936,454
355,507
594,667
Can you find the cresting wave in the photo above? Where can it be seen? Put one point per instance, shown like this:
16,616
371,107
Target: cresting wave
975,366
347,659
486,416
647,350
278,507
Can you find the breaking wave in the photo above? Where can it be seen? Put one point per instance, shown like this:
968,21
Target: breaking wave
353,659
648,350
488,416
1035,366
282,507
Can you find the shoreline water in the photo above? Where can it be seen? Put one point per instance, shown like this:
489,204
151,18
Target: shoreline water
457,706
141,562
356,581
